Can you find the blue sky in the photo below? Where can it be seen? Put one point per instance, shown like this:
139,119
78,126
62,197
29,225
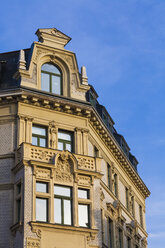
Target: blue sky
122,44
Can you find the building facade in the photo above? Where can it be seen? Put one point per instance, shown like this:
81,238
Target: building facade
67,178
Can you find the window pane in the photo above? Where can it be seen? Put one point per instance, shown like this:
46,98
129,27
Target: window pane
42,142
63,191
42,187
83,193
41,209
60,146
83,215
39,130
64,136
67,212
18,210
56,84
45,82
19,188
120,238
57,211
68,147
50,68
111,232
34,141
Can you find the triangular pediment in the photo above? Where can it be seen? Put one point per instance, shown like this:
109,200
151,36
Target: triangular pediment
52,37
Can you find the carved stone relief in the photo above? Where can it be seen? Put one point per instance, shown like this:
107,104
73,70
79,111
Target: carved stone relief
64,168
42,155
84,180
32,243
86,163
112,211
42,173
53,134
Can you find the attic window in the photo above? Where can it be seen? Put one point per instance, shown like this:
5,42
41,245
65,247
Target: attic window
51,79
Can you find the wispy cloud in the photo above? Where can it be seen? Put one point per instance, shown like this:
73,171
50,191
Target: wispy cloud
157,235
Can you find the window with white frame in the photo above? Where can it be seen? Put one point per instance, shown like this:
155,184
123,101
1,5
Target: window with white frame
83,207
42,197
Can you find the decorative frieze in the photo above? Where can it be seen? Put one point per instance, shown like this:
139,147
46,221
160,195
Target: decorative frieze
41,173
83,180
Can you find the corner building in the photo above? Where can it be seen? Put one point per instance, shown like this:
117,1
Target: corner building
67,178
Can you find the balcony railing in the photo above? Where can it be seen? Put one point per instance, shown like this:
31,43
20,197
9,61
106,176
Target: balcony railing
29,152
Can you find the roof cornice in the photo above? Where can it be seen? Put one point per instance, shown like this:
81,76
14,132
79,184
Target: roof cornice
80,108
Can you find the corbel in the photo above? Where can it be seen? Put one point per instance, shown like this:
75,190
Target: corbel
57,106
78,111
46,103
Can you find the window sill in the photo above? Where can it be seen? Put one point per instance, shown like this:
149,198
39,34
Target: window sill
46,225
17,226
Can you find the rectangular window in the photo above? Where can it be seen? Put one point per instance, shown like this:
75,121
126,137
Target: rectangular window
96,152
120,238
131,206
110,225
128,242
83,215
62,205
42,187
109,177
83,207
41,209
42,201
39,136
83,193
141,215
105,118
126,198
102,227
65,140
18,202
115,185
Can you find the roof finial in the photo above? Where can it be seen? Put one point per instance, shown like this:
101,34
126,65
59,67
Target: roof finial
22,62
84,78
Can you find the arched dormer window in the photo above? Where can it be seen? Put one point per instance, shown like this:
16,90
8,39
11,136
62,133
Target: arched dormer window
51,79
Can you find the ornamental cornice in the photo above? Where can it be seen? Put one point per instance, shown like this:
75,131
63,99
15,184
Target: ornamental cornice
71,106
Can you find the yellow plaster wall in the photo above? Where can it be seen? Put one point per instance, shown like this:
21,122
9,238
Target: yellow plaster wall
55,239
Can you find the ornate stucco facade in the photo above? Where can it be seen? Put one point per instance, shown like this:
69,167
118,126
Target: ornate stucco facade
97,164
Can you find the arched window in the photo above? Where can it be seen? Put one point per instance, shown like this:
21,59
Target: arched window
51,79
